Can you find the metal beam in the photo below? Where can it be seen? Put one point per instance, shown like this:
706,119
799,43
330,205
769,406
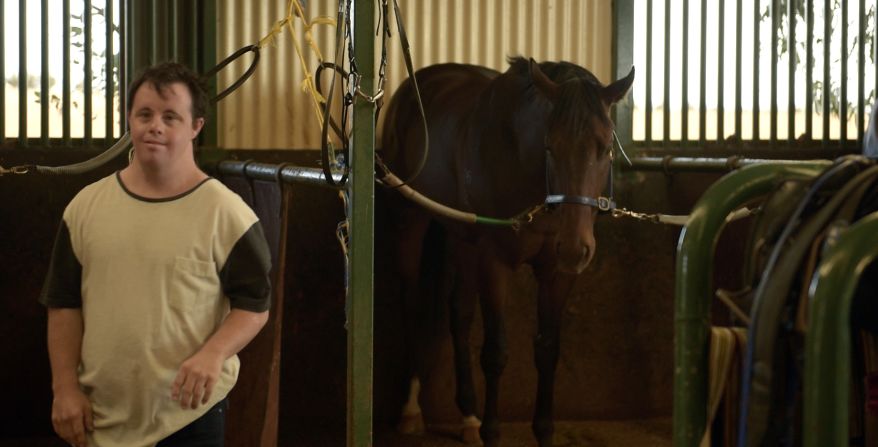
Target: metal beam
362,200
671,164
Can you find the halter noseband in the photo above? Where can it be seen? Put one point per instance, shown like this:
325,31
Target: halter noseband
602,203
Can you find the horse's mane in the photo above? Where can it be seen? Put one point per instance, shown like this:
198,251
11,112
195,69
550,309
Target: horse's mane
579,97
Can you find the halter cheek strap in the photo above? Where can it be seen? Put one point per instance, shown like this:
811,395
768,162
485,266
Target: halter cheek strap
601,203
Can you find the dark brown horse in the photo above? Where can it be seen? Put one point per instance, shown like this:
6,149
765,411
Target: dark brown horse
499,144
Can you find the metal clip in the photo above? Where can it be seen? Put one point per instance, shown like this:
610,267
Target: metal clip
355,87
371,99
14,170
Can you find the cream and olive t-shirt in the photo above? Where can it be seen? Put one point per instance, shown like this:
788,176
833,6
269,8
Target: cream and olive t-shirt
154,278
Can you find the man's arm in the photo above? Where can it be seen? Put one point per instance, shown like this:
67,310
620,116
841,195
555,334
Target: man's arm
71,409
199,373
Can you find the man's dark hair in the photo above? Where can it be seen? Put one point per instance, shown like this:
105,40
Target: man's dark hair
167,73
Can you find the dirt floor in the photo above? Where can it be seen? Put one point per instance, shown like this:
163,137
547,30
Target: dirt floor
628,433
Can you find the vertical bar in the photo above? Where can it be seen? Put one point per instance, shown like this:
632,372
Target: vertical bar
791,53
843,100
756,24
154,31
173,37
827,88
648,112
206,47
775,27
65,68
684,122
194,28
666,121
22,73
623,45
110,85
2,74
361,187
86,89
702,108
809,73
123,66
861,73
44,73
738,37
720,54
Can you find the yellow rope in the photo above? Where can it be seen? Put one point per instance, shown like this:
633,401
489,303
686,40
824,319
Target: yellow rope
288,23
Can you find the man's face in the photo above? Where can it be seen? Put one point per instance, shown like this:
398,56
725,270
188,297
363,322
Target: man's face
161,125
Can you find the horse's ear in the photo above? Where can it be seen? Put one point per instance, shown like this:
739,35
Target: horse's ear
542,82
617,90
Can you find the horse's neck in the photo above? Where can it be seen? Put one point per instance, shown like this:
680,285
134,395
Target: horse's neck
510,154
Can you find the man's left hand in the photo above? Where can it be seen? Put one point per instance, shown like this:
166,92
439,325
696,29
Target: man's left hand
195,380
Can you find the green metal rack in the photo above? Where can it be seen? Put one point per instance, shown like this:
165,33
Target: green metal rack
693,285
828,344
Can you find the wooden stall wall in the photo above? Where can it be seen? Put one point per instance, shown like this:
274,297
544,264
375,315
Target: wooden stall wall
616,359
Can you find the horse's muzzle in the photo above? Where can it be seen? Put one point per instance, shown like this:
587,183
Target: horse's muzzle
574,258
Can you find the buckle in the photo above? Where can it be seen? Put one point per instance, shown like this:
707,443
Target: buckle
604,203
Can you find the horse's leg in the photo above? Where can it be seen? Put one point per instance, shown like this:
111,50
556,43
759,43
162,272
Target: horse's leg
461,310
411,226
554,287
412,420
493,291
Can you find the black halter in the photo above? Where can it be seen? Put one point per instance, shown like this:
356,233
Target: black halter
602,203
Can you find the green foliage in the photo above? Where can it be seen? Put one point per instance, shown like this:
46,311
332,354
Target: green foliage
822,92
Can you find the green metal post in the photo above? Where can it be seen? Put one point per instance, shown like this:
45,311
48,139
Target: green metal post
362,195
693,288
828,342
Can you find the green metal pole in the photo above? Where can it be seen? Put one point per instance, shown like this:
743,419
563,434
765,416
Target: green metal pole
362,201
828,342
693,286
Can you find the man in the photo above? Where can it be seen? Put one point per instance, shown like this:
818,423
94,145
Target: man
159,276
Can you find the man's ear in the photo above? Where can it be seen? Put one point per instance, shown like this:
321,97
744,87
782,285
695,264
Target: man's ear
197,125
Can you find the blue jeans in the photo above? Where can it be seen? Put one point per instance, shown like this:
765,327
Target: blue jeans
206,431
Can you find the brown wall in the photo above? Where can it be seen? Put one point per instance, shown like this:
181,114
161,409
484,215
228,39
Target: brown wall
616,358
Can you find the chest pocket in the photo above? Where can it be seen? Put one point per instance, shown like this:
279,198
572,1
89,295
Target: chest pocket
195,284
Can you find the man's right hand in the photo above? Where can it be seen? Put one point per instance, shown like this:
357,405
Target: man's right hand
71,416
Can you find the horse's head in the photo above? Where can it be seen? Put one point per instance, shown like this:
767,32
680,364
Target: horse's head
579,141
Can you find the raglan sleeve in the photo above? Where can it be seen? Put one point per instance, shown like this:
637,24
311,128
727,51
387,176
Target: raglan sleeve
63,285
245,274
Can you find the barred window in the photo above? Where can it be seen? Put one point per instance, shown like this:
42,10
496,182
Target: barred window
753,74
61,69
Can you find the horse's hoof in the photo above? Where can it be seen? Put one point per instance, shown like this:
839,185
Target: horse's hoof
411,424
470,436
